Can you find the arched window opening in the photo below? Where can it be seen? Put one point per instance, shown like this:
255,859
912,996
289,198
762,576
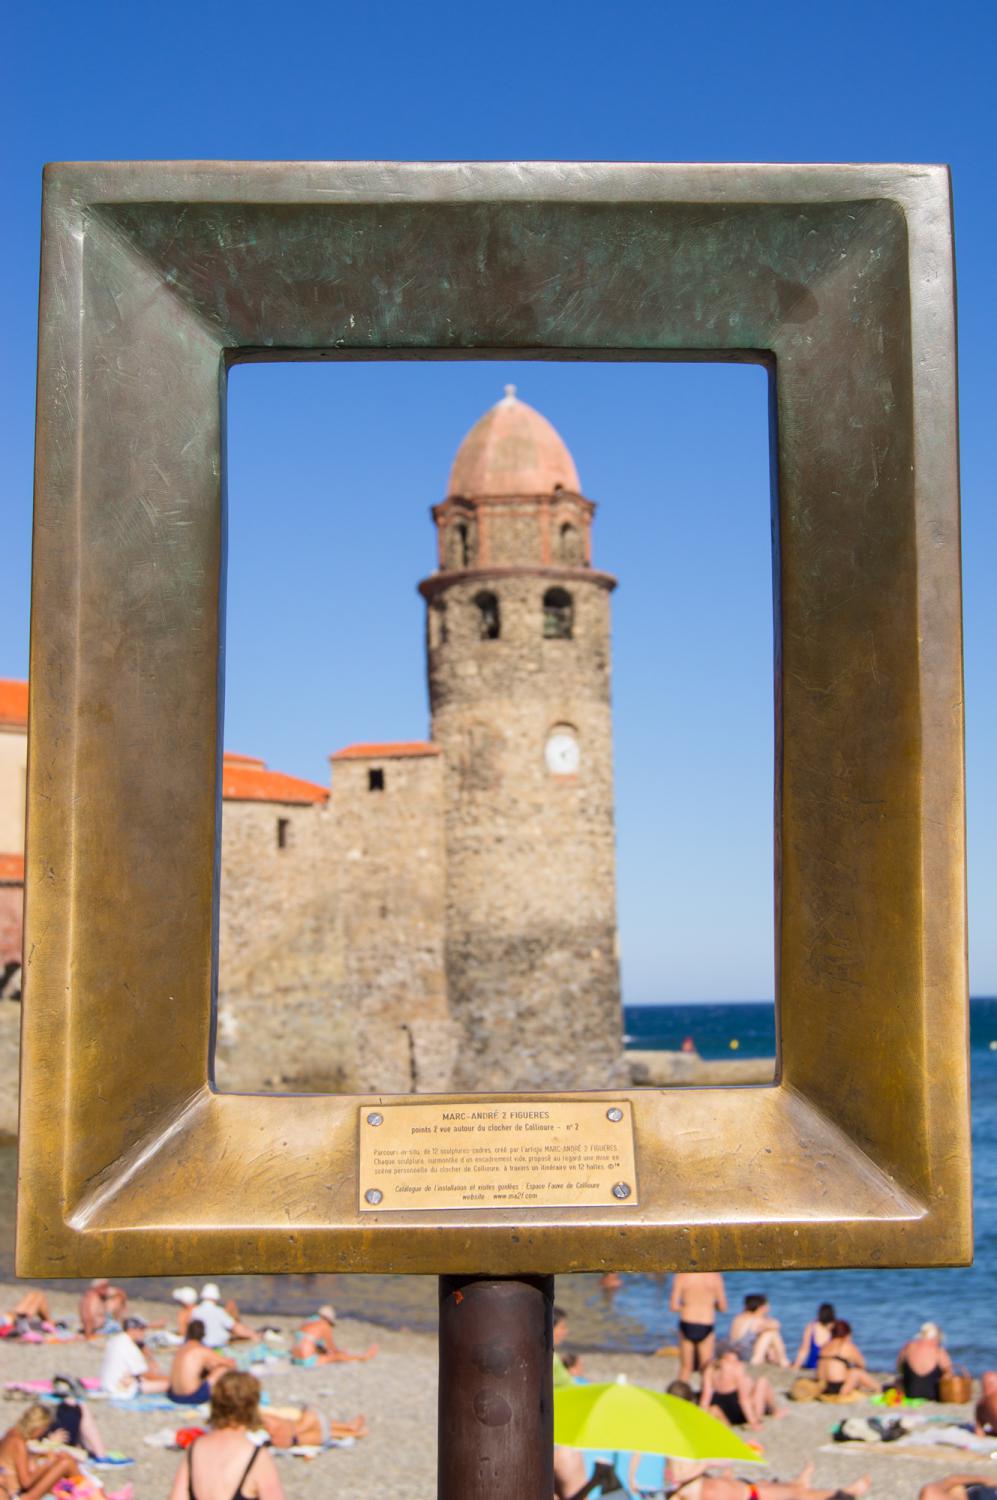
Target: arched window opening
570,545
559,615
489,624
437,623
460,544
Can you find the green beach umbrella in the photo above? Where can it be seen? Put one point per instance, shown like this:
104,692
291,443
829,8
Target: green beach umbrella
627,1418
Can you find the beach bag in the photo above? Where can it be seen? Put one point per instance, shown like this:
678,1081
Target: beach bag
804,1388
956,1387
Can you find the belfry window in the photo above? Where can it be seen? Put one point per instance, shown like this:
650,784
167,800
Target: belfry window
570,545
489,624
559,615
375,780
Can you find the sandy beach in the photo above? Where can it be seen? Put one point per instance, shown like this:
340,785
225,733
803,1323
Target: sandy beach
396,1391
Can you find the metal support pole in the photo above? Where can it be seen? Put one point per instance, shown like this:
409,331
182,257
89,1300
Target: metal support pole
496,1396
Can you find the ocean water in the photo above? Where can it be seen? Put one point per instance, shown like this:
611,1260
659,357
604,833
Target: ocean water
884,1307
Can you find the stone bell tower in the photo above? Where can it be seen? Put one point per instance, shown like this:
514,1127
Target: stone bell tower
519,679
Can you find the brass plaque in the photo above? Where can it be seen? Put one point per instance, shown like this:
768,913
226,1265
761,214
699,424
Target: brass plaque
516,1154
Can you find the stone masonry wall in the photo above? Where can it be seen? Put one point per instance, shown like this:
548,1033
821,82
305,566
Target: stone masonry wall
532,967
331,948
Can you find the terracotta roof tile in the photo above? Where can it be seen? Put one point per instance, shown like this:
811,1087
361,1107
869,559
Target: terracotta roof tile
246,779
13,703
11,869
390,751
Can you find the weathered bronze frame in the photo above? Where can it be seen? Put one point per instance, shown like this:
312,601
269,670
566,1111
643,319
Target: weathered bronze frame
155,278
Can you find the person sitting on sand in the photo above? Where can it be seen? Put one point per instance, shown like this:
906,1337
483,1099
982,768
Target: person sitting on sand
559,1332
922,1362
127,1370
689,1479
221,1324
960,1487
986,1407
21,1473
195,1368
71,1421
841,1366
731,1394
226,1462
103,1308
755,1335
316,1343
188,1300
303,1427
697,1297
815,1336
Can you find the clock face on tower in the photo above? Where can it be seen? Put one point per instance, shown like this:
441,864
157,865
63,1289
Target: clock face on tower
562,753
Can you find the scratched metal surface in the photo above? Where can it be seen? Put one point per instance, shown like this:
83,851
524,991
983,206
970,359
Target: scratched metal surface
156,277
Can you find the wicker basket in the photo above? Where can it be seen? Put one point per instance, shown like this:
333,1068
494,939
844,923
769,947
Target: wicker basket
956,1387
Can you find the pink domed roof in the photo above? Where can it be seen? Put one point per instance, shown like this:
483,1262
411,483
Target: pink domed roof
512,450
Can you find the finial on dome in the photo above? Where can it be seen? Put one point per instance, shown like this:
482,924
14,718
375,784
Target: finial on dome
510,393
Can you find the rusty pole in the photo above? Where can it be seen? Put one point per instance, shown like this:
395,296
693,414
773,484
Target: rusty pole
496,1396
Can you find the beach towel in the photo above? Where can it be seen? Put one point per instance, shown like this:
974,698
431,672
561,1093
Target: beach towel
43,1388
148,1402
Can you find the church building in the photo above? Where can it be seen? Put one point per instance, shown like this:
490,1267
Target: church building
444,916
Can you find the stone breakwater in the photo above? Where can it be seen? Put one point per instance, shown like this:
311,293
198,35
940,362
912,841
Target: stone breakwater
647,1069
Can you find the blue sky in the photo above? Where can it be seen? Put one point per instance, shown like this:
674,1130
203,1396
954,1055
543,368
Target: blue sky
333,468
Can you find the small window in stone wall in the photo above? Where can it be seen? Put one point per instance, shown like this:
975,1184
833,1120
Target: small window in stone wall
559,615
437,623
283,833
375,780
489,622
460,545
570,546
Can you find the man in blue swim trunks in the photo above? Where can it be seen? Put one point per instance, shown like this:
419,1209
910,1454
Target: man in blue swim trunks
195,1368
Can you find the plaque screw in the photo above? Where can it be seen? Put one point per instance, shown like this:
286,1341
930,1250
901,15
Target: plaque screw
374,1195
620,1190
615,1114
375,1119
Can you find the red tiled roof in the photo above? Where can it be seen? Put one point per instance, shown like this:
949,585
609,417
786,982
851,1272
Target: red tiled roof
386,752
11,869
246,779
13,703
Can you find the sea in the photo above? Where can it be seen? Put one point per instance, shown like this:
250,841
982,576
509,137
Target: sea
884,1307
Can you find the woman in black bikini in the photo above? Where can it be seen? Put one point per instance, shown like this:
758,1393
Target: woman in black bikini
226,1464
841,1366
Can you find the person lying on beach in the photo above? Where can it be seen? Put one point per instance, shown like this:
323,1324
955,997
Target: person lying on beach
731,1394
221,1324
103,1308
922,1362
33,1306
570,1482
815,1336
690,1481
316,1343
960,1487
127,1370
697,1297
23,1475
226,1464
303,1427
195,1368
841,1366
755,1335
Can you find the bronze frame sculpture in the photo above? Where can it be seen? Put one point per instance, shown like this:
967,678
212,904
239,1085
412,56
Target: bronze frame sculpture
155,279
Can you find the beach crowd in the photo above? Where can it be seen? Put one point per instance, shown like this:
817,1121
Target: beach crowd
210,1369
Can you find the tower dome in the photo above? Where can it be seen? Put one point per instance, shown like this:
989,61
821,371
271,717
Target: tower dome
512,450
